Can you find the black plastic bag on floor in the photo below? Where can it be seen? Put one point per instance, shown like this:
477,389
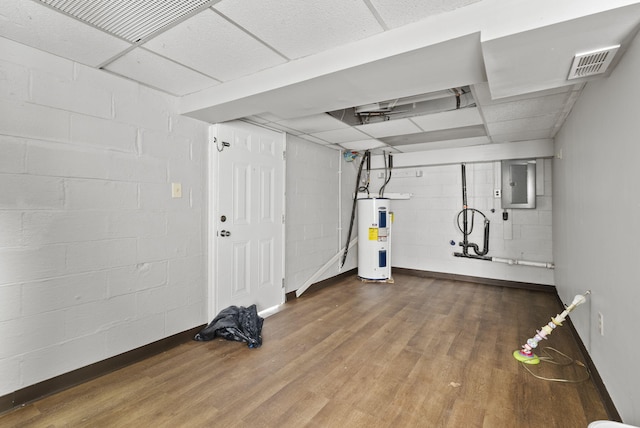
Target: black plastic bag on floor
235,323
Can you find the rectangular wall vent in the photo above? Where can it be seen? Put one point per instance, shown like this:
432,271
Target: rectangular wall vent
591,63
131,20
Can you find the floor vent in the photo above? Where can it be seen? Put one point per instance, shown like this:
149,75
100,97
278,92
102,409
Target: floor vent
591,63
132,21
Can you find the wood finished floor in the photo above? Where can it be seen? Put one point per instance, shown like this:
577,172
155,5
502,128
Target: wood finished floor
416,353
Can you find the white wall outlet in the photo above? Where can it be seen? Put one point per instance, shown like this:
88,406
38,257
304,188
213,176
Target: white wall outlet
601,323
497,193
176,190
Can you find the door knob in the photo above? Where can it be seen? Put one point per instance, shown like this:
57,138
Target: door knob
225,233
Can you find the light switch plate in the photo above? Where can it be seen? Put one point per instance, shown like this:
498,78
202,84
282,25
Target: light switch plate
176,190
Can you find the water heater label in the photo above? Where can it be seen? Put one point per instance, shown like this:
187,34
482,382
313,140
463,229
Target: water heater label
373,234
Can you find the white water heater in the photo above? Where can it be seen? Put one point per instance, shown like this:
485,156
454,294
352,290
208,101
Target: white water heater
374,238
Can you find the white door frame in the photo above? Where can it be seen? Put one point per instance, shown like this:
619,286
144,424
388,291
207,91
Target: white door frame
212,215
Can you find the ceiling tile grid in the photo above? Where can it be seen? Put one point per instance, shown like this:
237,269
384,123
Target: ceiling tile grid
158,72
532,107
397,13
447,144
313,124
521,135
361,145
389,127
343,135
37,25
538,123
449,119
299,28
213,46
316,140
275,62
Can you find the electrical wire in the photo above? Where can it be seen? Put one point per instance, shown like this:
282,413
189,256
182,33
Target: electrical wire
365,187
549,359
473,211
353,208
387,177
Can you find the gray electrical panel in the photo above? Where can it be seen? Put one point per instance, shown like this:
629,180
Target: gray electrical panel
519,183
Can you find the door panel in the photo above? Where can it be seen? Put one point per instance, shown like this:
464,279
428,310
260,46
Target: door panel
249,189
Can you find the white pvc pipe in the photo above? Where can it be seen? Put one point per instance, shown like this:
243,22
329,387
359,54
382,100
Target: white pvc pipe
320,271
547,265
340,156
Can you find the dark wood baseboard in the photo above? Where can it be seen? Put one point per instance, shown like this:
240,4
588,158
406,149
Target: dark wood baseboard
612,412
477,280
322,284
431,274
92,371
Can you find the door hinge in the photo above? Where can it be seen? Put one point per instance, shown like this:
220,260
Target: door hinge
284,155
282,282
282,218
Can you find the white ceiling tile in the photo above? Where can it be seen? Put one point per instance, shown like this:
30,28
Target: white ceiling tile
269,117
434,136
212,45
338,136
482,94
15,52
281,127
299,28
538,106
43,28
449,119
521,135
363,145
314,123
521,125
448,144
389,127
396,13
315,139
159,72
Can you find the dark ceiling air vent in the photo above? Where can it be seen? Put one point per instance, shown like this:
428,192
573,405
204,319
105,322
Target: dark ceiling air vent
592,63
133,21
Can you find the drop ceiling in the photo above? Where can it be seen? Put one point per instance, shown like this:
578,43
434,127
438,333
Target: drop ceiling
307,67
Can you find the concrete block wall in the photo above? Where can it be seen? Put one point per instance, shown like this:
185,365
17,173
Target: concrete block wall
313,214
96,257
425,224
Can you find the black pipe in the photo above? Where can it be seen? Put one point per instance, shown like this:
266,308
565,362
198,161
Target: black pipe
466,230
473,256
465,222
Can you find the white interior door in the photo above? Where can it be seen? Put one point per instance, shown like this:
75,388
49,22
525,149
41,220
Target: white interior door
248,221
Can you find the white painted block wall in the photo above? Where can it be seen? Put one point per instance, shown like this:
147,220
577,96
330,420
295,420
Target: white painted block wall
96,258
426,223
313,213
